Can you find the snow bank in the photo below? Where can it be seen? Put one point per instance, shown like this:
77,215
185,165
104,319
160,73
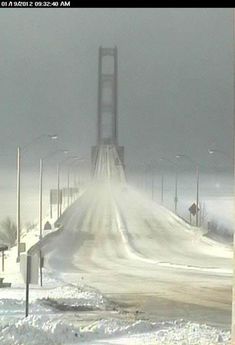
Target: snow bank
160,333
74,297
118,327
192,334
65,296
42,330
38,330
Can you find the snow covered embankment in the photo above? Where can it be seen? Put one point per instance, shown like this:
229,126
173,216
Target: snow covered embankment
42,330
82,298
48,327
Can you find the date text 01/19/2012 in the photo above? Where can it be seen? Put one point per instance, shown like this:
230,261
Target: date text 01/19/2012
35,4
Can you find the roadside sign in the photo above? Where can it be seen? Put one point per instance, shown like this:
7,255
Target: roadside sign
69,191
53,196
22,247
3,247
193,209
33,268
47,226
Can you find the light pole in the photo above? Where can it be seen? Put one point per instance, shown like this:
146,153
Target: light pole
145,179
162,189
197,200
176,181
223,153
68,187
58,182
40,197
40,202
152,185
197,182
18,186
41,165
233,290
58,190
151,171
18,199
212,151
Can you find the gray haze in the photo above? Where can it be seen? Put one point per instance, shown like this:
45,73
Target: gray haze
175,80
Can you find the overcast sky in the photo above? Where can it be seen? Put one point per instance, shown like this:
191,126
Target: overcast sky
175,79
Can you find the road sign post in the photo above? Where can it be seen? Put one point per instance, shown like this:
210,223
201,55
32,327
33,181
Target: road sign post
193,210
2,249
29,265
197,197
3,257
40,266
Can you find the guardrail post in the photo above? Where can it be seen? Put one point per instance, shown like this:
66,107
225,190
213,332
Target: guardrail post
3,261
28,268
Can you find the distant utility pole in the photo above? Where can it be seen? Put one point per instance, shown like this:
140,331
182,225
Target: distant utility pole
68,187
58,191
162,189
18,186
197,182
176,192
151,172
40,215
197,202
152,186
233,294
18,202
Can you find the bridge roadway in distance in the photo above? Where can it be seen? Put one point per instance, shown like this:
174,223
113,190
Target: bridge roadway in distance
139,253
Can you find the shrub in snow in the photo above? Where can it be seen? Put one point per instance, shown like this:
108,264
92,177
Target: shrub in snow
220,229
8,231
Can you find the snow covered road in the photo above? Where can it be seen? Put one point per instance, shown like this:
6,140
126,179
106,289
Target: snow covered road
121,243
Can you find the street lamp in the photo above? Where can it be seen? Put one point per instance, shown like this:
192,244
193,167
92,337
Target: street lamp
58,183
176,181
18,193
212,151
220,152
197,181
40,200
41,164
44,135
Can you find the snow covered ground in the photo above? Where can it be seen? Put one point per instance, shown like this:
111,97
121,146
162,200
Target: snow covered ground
63,313
117,242
46,328
56,313
36,330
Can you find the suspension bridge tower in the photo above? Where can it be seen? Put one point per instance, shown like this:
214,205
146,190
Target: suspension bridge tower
107,112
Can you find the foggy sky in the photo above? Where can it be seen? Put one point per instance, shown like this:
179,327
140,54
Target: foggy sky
174,83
